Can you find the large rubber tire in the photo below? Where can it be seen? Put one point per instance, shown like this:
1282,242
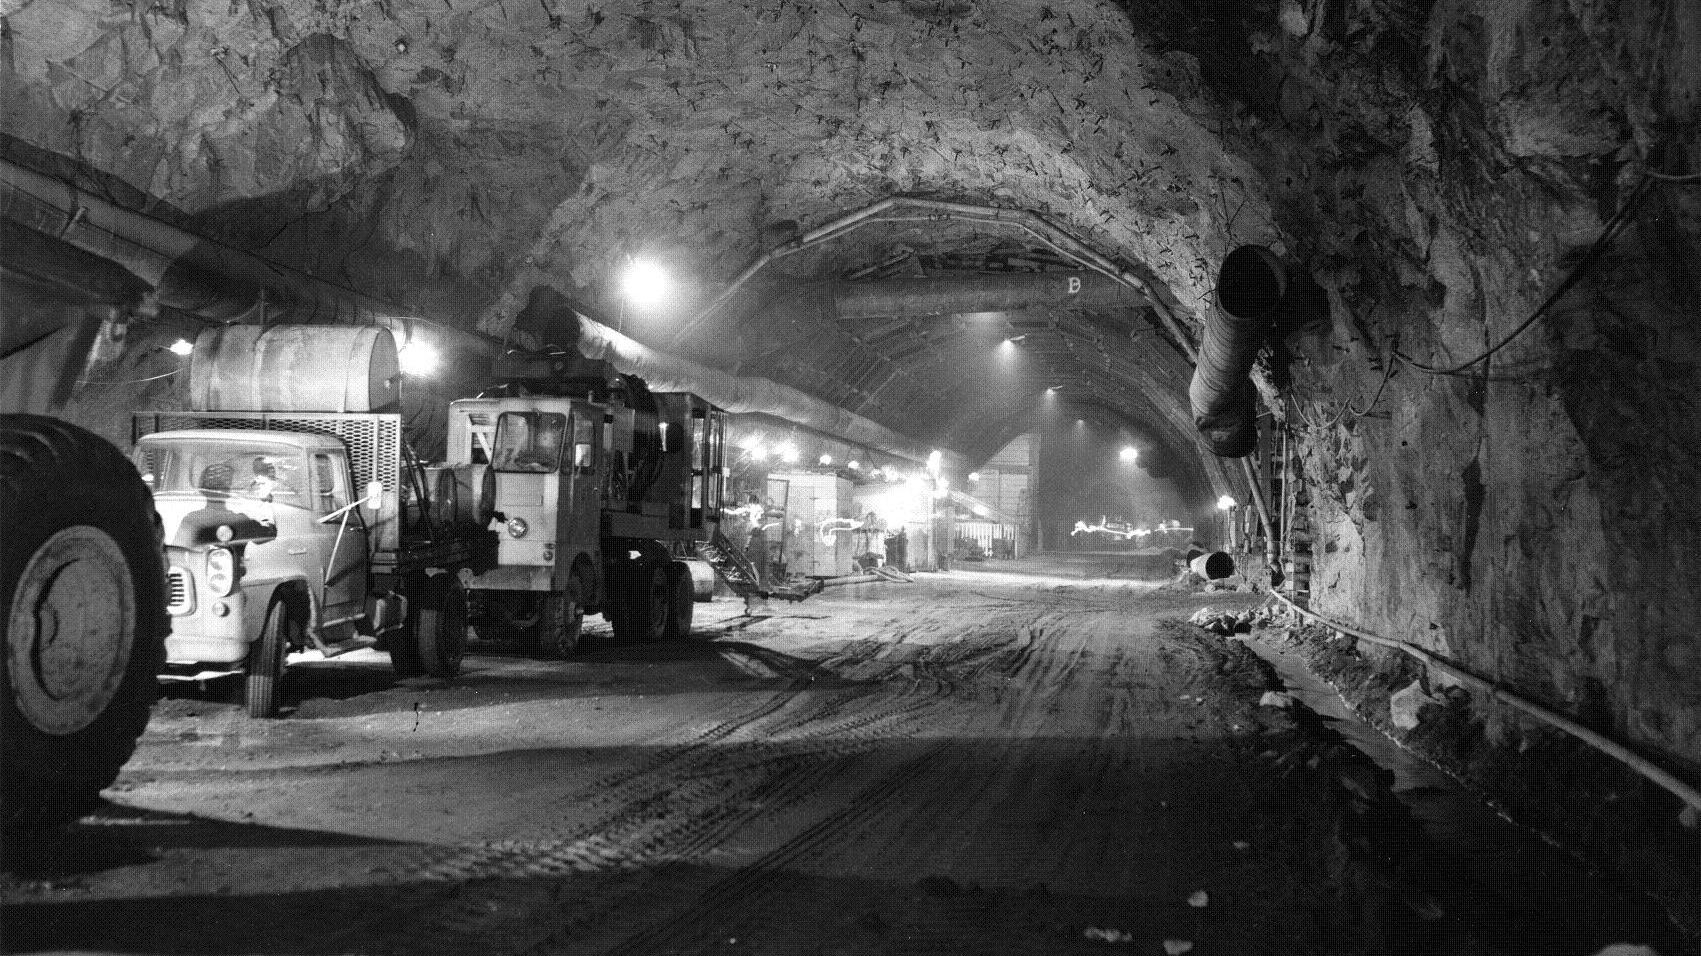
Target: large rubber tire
643,597
266,656
682,603
437,620
404,652
561,622
82,613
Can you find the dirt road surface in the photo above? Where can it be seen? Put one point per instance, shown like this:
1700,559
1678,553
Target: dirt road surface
975,763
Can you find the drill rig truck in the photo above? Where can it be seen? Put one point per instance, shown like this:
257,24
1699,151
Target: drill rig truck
599,490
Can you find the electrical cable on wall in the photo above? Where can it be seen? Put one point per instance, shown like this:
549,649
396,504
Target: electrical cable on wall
1577,273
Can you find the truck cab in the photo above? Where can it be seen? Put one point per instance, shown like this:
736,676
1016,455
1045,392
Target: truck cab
251,519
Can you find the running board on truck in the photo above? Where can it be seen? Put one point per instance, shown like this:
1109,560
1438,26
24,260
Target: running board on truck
740,575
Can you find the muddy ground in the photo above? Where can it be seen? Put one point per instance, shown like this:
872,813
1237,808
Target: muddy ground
980,762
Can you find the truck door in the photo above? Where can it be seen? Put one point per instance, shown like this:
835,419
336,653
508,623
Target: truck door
342,563
581,500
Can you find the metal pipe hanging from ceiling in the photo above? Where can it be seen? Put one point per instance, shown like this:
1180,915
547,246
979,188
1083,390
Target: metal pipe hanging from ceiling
947,295
739,394
189,273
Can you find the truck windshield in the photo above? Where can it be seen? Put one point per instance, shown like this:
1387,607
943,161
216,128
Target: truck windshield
257,470
529,441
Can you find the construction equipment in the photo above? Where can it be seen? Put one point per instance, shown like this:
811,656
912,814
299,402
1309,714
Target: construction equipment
601,492
295,528
82,589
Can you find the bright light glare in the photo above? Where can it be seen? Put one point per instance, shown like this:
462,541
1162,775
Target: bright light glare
1128,453
788,453
418,358
981,511
757,452
854,465
645,284
974,476
826,459
934,461
1225,502
181,347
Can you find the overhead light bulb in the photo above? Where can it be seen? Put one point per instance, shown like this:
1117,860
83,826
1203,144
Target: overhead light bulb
974,476
826,459
1128,453
645,284
418,358
854,465
1225,502
181,347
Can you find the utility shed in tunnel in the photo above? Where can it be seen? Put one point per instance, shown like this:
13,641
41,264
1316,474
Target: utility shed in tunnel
1394,300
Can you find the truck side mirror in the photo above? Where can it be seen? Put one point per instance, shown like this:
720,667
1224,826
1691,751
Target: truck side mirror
374,495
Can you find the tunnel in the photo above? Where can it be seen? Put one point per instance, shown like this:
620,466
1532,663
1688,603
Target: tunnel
1013,311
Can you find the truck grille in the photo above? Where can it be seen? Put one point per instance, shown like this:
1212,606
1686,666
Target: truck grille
179,596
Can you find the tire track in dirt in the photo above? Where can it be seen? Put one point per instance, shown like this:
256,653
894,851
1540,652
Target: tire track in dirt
747,889
676,807
704,922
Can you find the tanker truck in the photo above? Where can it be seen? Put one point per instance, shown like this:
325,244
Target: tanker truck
295,515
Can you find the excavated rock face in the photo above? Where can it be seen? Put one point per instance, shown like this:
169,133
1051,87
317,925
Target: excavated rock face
1439,167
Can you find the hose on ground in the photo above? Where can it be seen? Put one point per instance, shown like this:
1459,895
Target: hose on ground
1611,748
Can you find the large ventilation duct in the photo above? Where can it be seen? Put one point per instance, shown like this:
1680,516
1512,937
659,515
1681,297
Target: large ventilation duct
1250,287
188,272
739,395
941,295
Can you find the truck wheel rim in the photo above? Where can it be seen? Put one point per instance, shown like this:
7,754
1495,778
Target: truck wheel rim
61,656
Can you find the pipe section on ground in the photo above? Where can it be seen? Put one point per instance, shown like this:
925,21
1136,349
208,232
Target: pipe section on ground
954,295
1250,286
737,394
1213,566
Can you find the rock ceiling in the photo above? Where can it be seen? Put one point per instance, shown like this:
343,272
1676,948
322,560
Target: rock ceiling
453,156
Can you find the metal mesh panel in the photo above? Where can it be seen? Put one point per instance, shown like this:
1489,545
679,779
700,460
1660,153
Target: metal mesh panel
374,443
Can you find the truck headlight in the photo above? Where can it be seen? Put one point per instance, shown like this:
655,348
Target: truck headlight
518,527
221,571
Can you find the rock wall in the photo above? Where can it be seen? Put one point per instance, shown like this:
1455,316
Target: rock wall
1443,169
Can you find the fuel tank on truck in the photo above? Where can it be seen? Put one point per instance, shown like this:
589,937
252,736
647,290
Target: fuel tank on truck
294,368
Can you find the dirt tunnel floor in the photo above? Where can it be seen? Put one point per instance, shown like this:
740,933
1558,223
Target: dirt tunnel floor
976,763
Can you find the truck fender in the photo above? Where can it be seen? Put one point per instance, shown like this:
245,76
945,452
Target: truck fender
261,595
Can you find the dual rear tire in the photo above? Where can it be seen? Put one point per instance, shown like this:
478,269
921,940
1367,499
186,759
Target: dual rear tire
433,640
654,604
